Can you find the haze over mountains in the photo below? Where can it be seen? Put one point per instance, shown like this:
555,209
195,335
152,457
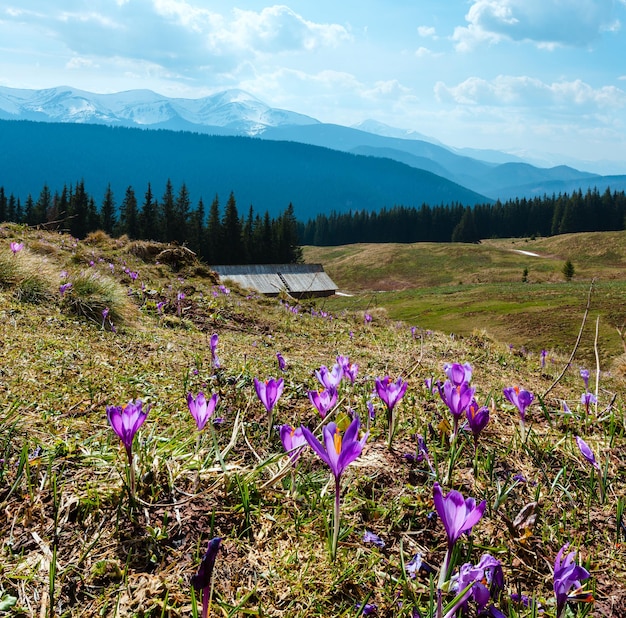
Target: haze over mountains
383,166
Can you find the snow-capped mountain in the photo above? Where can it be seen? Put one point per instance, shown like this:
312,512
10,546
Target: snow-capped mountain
235,111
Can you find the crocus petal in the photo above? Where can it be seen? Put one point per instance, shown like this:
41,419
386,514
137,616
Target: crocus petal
315,444
202,579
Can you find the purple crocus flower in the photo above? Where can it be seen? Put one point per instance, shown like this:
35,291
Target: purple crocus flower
201,409
390,393
367,318
215,361
349,369
568,575
269,392
201,581
64,287
485,580
544,353
125,421
584,374
587,453
337,452
477,419
457,397
458,515
293,440
330,378
323,400
416,565
588,399
457,373
370,537
281,361
520,398
369,609
16,247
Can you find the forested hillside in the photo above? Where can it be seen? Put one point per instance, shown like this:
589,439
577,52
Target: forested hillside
267,174
546,216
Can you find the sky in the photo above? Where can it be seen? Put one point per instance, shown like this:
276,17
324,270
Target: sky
522,76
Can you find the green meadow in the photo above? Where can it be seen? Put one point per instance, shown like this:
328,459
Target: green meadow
518,299
101,522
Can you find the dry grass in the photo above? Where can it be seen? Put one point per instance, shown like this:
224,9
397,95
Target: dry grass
64,493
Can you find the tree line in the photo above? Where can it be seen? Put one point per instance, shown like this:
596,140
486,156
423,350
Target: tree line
218,237
538,216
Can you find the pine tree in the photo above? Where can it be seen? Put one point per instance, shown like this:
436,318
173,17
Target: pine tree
12,209
465,230
79,205
196,232
42,206
181,214
3,205
149,217
107,211
167,213
129,214
288,250
29,211
232,249
213,246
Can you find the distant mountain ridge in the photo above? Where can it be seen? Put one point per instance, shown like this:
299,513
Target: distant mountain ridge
235,110
488,173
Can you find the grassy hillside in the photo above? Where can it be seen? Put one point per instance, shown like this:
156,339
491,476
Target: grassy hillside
460,288
76,540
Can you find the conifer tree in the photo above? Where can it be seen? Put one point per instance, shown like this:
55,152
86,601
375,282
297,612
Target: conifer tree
149,217
196,232
129,214
3,205
79,205
232,249
29,211
167,213
107,211
213,245
181,214
42,206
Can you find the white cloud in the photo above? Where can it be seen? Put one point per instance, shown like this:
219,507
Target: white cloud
276,29
389,89
544,22
424,52
181,36
427,32
529,92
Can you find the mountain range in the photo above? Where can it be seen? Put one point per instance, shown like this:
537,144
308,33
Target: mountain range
438,174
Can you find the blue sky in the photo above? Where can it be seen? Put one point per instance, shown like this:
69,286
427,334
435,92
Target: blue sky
524,76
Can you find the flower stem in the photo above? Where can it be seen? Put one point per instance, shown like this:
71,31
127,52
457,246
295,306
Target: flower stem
392,428
336,517
218,453
444,568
